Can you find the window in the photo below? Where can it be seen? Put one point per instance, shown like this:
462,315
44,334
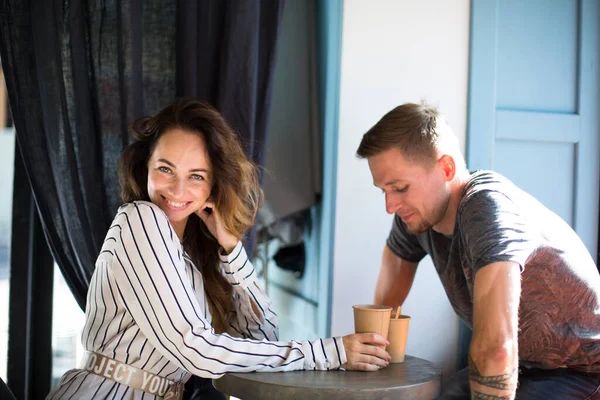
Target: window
7,152
67,323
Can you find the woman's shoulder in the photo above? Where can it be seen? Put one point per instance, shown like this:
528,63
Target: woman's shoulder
146,217
141,209
139,205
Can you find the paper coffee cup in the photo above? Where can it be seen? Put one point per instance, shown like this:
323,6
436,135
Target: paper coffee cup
372,318
397,335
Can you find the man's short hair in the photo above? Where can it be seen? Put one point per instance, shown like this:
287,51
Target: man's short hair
418,130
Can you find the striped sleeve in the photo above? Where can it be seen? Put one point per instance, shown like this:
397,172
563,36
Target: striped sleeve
152,284
258,322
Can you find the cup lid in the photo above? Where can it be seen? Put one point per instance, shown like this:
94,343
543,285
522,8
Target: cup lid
400,317
372,307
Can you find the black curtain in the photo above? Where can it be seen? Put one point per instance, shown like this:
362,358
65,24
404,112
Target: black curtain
226,56
79,72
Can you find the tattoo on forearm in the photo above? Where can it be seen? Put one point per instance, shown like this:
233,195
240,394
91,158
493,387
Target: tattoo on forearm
500,382
483,396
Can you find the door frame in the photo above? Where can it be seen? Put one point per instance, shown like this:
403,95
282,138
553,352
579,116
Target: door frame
329,28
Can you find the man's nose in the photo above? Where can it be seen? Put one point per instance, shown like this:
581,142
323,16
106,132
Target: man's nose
392,204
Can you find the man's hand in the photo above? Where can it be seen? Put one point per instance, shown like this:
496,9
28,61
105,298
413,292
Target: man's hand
363,353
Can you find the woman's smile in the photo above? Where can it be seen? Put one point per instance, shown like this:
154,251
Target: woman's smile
176,206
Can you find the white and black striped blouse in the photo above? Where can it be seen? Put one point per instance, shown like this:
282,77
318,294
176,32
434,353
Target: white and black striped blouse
146,307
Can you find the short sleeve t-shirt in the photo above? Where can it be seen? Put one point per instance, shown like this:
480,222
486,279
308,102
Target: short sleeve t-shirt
559,312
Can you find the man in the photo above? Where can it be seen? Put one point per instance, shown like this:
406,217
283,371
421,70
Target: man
514,271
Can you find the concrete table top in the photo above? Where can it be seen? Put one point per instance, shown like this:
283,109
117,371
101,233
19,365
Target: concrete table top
414,379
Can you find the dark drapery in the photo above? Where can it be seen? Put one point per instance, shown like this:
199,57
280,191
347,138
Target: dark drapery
78,72
225,55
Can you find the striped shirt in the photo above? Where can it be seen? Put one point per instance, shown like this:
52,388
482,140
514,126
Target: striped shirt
147,307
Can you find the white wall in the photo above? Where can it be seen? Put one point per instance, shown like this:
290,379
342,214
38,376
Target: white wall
394,51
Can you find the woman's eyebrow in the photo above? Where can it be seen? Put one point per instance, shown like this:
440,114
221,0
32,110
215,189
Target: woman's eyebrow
191,170
167,162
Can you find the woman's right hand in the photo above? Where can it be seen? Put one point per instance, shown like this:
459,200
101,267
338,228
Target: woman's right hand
363,353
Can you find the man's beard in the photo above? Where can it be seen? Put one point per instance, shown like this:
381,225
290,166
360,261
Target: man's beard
425,224
422,227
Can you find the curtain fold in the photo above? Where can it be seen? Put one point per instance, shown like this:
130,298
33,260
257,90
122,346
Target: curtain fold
225,55
77,74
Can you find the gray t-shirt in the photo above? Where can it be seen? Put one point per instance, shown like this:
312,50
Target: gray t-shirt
559,312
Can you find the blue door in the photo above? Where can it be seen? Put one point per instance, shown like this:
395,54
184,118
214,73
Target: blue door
533,102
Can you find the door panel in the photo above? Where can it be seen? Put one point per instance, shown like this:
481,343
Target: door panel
525,161
533,102
537,47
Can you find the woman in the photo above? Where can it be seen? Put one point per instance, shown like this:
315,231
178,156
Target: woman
173,292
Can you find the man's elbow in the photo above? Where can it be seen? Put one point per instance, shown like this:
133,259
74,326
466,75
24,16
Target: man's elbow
500,352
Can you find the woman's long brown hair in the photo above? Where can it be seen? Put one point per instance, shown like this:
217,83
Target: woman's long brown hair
236,191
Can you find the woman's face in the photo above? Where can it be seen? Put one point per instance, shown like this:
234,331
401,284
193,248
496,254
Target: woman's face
179,176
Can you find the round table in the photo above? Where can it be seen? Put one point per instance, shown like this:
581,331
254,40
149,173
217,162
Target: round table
415,378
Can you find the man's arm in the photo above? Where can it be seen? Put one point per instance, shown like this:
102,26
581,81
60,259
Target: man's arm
493,354
395,279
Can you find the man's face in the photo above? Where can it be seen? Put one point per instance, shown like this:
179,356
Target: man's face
417,193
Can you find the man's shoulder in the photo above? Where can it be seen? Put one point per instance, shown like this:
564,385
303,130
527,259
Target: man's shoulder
487,181
488,187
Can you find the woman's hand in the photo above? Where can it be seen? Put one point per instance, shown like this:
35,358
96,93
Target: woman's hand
209,214
363,354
